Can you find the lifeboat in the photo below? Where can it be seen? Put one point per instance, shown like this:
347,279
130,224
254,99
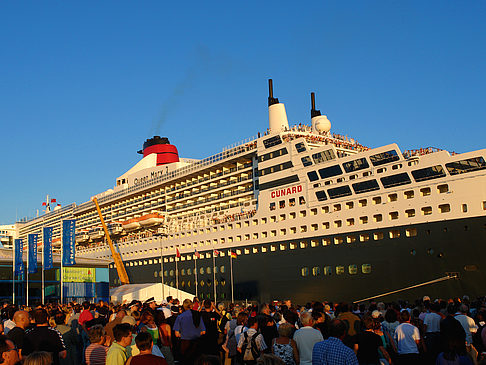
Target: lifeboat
151,219
115,228
131,224
82,237
96,233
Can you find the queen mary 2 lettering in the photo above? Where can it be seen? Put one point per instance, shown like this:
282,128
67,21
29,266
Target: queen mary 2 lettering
295,213
285,192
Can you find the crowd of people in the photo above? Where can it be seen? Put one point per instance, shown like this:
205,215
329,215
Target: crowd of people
204,333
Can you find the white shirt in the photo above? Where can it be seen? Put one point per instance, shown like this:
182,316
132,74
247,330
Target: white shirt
468,325
8,325
306,338
406,334
432,321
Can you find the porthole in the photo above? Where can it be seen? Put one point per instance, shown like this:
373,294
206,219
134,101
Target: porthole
366,268
156,274
430,251
222,269
208,270
316,271
327,270
201,270
413,252
171,273
353,269
339,270
183,271
304,271
223,282
201,283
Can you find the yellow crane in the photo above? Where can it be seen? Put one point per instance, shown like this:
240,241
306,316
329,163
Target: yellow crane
120,268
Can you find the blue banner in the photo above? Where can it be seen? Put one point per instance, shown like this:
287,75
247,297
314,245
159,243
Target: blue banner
32,263
68,242
19,262
47,247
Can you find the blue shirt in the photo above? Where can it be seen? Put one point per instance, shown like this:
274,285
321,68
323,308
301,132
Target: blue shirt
185,326
333,352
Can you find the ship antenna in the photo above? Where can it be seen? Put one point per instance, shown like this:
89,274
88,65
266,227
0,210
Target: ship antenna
271,99
314,112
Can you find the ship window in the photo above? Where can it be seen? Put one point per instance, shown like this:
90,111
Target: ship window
381,170
339,270
314,243
397,166
366,268
292,215
325,225
255,223
444,208
356,165
349,205
312,175
425,191
302,213
327,270
323,156
272,206
363,220
325,209
364,237
377,200
350,222
393,215
395,180
378,236
484,205
330,171
274,154
426,210
395,233
272,141
273,218
384,157
353,269
304,271
300,147
337,207
254,250
273,233
283,232
303,229
351,239
464,208
377,217
411,232
314,227
428,173
363,203
316,271
183,272
189,272
282,217
392,197
293,245
264,249
444,188
171,273
281,204
338,240
410,213
339,192
338,224
314,211
326,241
306,161
293,230
301,200
408,194
471,164
276,168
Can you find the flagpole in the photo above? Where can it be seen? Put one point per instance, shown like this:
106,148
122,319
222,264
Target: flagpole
13,272
177,275
62,254
195,270
231,270
162,270
27,276
214,276
43,250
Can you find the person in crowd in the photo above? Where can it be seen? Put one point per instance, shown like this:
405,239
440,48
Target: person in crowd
321,322
352,322
86,314
17,334
432,331
71,340
119,351
269,359
390,323
306,337
267,325
8,352
453,339
165,339
144,342
233,336
251,344
467,323
118,319
284,347
9,323
44,338
38,358
75,315
95,353
209,341
407,337
189,327
370,347
333,351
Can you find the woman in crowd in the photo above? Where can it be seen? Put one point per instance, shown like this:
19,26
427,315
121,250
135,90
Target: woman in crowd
284,347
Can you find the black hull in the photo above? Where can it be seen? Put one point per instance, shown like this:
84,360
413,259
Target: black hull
438,249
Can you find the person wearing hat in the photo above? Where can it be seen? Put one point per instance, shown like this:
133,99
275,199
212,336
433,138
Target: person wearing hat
151,303
118,319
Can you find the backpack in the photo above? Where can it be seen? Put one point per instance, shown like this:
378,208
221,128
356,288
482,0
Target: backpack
249,349
231,344
222,321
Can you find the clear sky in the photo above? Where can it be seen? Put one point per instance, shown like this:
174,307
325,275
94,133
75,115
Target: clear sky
84,83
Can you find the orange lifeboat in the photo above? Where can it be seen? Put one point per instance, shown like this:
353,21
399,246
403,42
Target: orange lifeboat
131,224
151,219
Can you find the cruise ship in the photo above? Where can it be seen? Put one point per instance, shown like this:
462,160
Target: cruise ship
309,214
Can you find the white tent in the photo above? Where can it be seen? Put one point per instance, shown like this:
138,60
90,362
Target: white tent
128,292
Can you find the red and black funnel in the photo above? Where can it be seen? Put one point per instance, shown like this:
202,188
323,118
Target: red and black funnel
166,153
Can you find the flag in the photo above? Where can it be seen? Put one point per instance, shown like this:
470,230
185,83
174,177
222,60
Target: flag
216,253
53,200
19,262
47,248
68,242
32,257
44,204
233,254
197,254
178,254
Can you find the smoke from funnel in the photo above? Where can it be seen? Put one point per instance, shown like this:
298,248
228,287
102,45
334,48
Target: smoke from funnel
171,103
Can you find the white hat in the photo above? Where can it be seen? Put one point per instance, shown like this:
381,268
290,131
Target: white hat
376,314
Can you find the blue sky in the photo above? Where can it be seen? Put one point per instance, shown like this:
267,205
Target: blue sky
83,84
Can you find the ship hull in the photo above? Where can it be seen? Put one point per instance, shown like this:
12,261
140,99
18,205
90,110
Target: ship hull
438,249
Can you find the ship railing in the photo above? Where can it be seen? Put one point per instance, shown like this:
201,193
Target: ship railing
336,139
423,151
242,148
48,215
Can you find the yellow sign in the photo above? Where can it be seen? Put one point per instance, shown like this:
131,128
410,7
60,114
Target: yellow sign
78,275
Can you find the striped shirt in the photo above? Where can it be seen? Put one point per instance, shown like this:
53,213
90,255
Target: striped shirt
96,354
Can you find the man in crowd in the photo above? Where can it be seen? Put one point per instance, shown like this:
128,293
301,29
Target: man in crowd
185,328
85,315
407,337
333,351
119,351
118,320
251,344
306,337
145,344
209,341
44,338
352,322
17,334
8,352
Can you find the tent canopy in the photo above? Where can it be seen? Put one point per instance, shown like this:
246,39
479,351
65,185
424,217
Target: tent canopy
128,292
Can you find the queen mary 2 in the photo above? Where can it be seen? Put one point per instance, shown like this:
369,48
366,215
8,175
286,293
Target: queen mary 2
308,214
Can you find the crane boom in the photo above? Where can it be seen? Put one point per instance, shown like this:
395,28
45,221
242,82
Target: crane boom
120,268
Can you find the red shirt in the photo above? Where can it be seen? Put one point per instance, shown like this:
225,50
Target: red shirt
85,316
148,359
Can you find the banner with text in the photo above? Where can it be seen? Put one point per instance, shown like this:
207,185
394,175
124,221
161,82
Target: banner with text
18,251
68,242
47,248
79,275
32,257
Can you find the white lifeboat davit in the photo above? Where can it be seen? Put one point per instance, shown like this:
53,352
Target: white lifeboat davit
96,233
151,219
82,237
